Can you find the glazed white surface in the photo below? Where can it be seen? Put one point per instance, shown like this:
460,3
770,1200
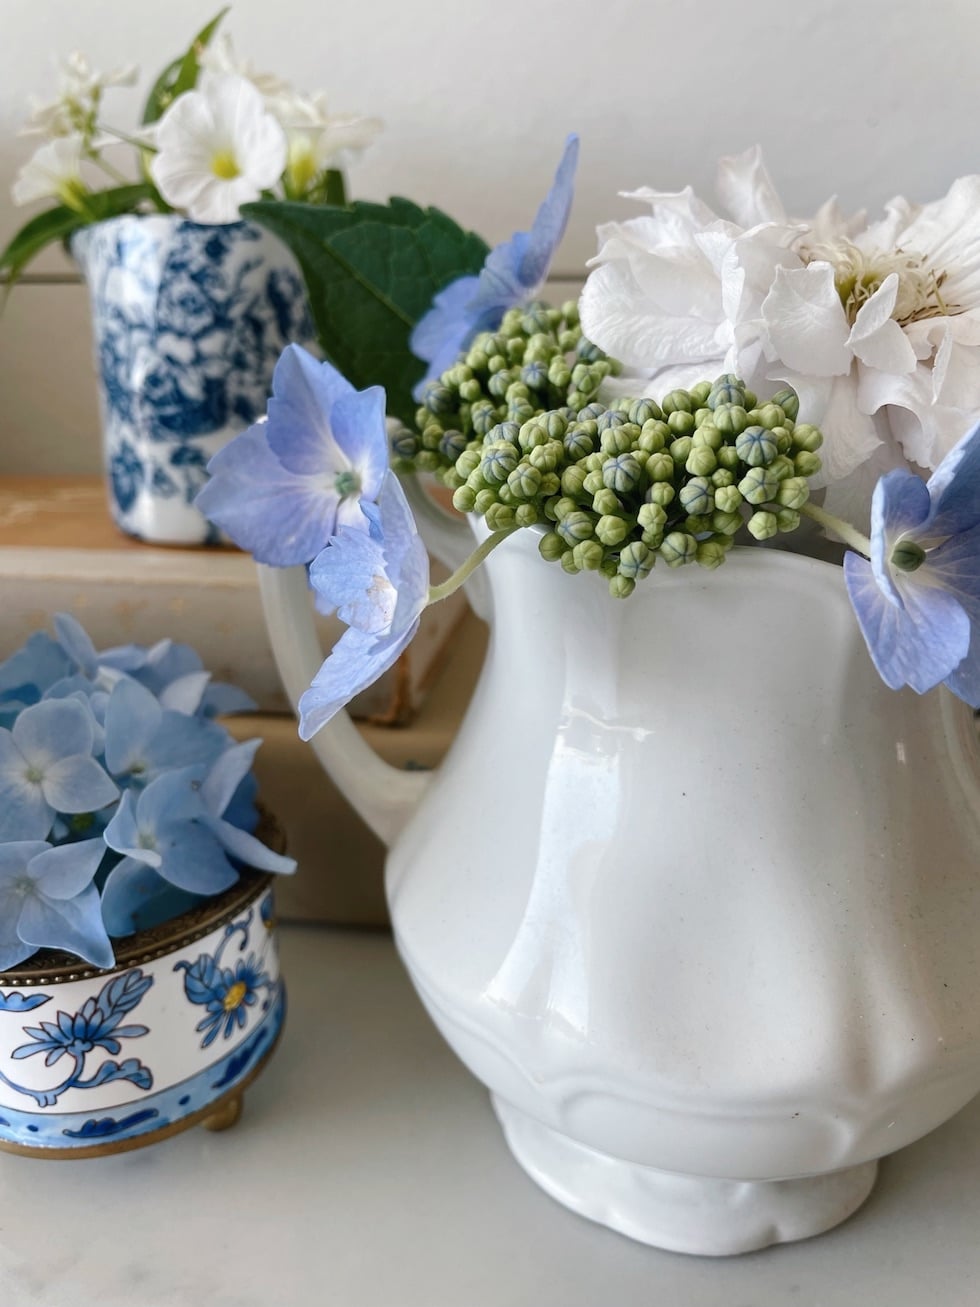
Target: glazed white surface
369,1171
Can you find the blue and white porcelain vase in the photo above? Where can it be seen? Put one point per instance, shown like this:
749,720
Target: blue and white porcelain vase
189,320
95,1062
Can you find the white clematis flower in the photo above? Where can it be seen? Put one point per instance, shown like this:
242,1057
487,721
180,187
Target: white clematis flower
876,325
218,148
80,93
53,172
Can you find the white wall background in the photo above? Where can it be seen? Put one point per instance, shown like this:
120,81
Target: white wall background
862,98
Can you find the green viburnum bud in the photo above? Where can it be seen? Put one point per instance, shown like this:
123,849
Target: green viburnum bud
784,439
724,395
681,423
559,374
697,496
477,360
787,519
654,436
551,546
584,379
782,467
701,462
793,492
606,501
507,433
680,450
500,517
485,499
642,411
593,483
427,461
660,466
575,526
452,445
464,500
568,341
770,415
471,390
524,482
404,443
763,525
563,507
516,390
661,493
807,464
588,555
546,457
700,393
438,398
758,485
573,480
708,436
550,484
432,433
728,458
788,401
506,496
531,434
569,312
621,587
730,419
611,530
678,548
728,499
609,418
616,440
636,560
721,477
578,443
622,473
807,437
498,462
651,517
483,417
451,479
499,381
750,400
697,524
526,515
725,523
678,401
710,554
534,376
756,446
516,351
554,425
520,410
568,563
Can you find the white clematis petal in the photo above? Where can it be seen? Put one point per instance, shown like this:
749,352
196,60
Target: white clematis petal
805,323
876,338
746,190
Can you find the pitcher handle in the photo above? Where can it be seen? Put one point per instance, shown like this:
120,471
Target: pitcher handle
384,796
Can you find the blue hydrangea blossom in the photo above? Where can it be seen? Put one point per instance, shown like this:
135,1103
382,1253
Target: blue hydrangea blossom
379,584
918,600
513,274
281,489
48,900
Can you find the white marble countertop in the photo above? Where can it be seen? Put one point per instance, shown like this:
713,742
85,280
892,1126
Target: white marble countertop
369,1171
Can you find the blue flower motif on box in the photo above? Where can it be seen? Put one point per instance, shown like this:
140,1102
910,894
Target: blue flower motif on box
96,1025
226,992
189,321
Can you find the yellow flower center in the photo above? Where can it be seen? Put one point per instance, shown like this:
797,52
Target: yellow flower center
235,996
858,274
225,166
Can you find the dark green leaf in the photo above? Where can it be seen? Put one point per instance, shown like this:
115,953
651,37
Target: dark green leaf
180,75
371,271
57,224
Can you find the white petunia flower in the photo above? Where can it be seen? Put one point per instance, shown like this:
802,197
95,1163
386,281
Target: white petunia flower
319,140
218,148
80,92
876,325
53,172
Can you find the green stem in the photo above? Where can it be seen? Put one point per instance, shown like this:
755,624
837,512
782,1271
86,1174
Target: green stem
334,190
129,140
841,529
450,586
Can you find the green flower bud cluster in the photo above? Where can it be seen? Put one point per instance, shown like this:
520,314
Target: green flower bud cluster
536,362
618,489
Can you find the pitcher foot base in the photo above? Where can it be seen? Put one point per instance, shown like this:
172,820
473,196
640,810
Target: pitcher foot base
685,1214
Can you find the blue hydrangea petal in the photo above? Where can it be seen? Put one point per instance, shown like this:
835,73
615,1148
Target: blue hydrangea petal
442,333
350,576
78,784
194,860
132,718
53,729
64,871
279,518
551,219
358,424
135,897
900,504
25,814
170,801
247,849
406,558
75,642
356,661
299,430
221,699
225,776
183,741
955,488
14,857
74,925
918,644
185,694
123,833
39,663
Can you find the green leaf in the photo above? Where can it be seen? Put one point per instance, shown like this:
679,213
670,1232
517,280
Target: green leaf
180,75
371,271
59,223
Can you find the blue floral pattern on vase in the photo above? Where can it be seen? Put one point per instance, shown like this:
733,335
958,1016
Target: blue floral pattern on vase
95,1026
189,321
227,992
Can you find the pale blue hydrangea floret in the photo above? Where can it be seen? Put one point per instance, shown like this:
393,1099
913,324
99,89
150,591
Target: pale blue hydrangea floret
172,836
281,489
47,767
48,900
379,583
512,275
918,600
143,739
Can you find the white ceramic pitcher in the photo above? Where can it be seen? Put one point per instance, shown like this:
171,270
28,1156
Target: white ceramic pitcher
694,894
